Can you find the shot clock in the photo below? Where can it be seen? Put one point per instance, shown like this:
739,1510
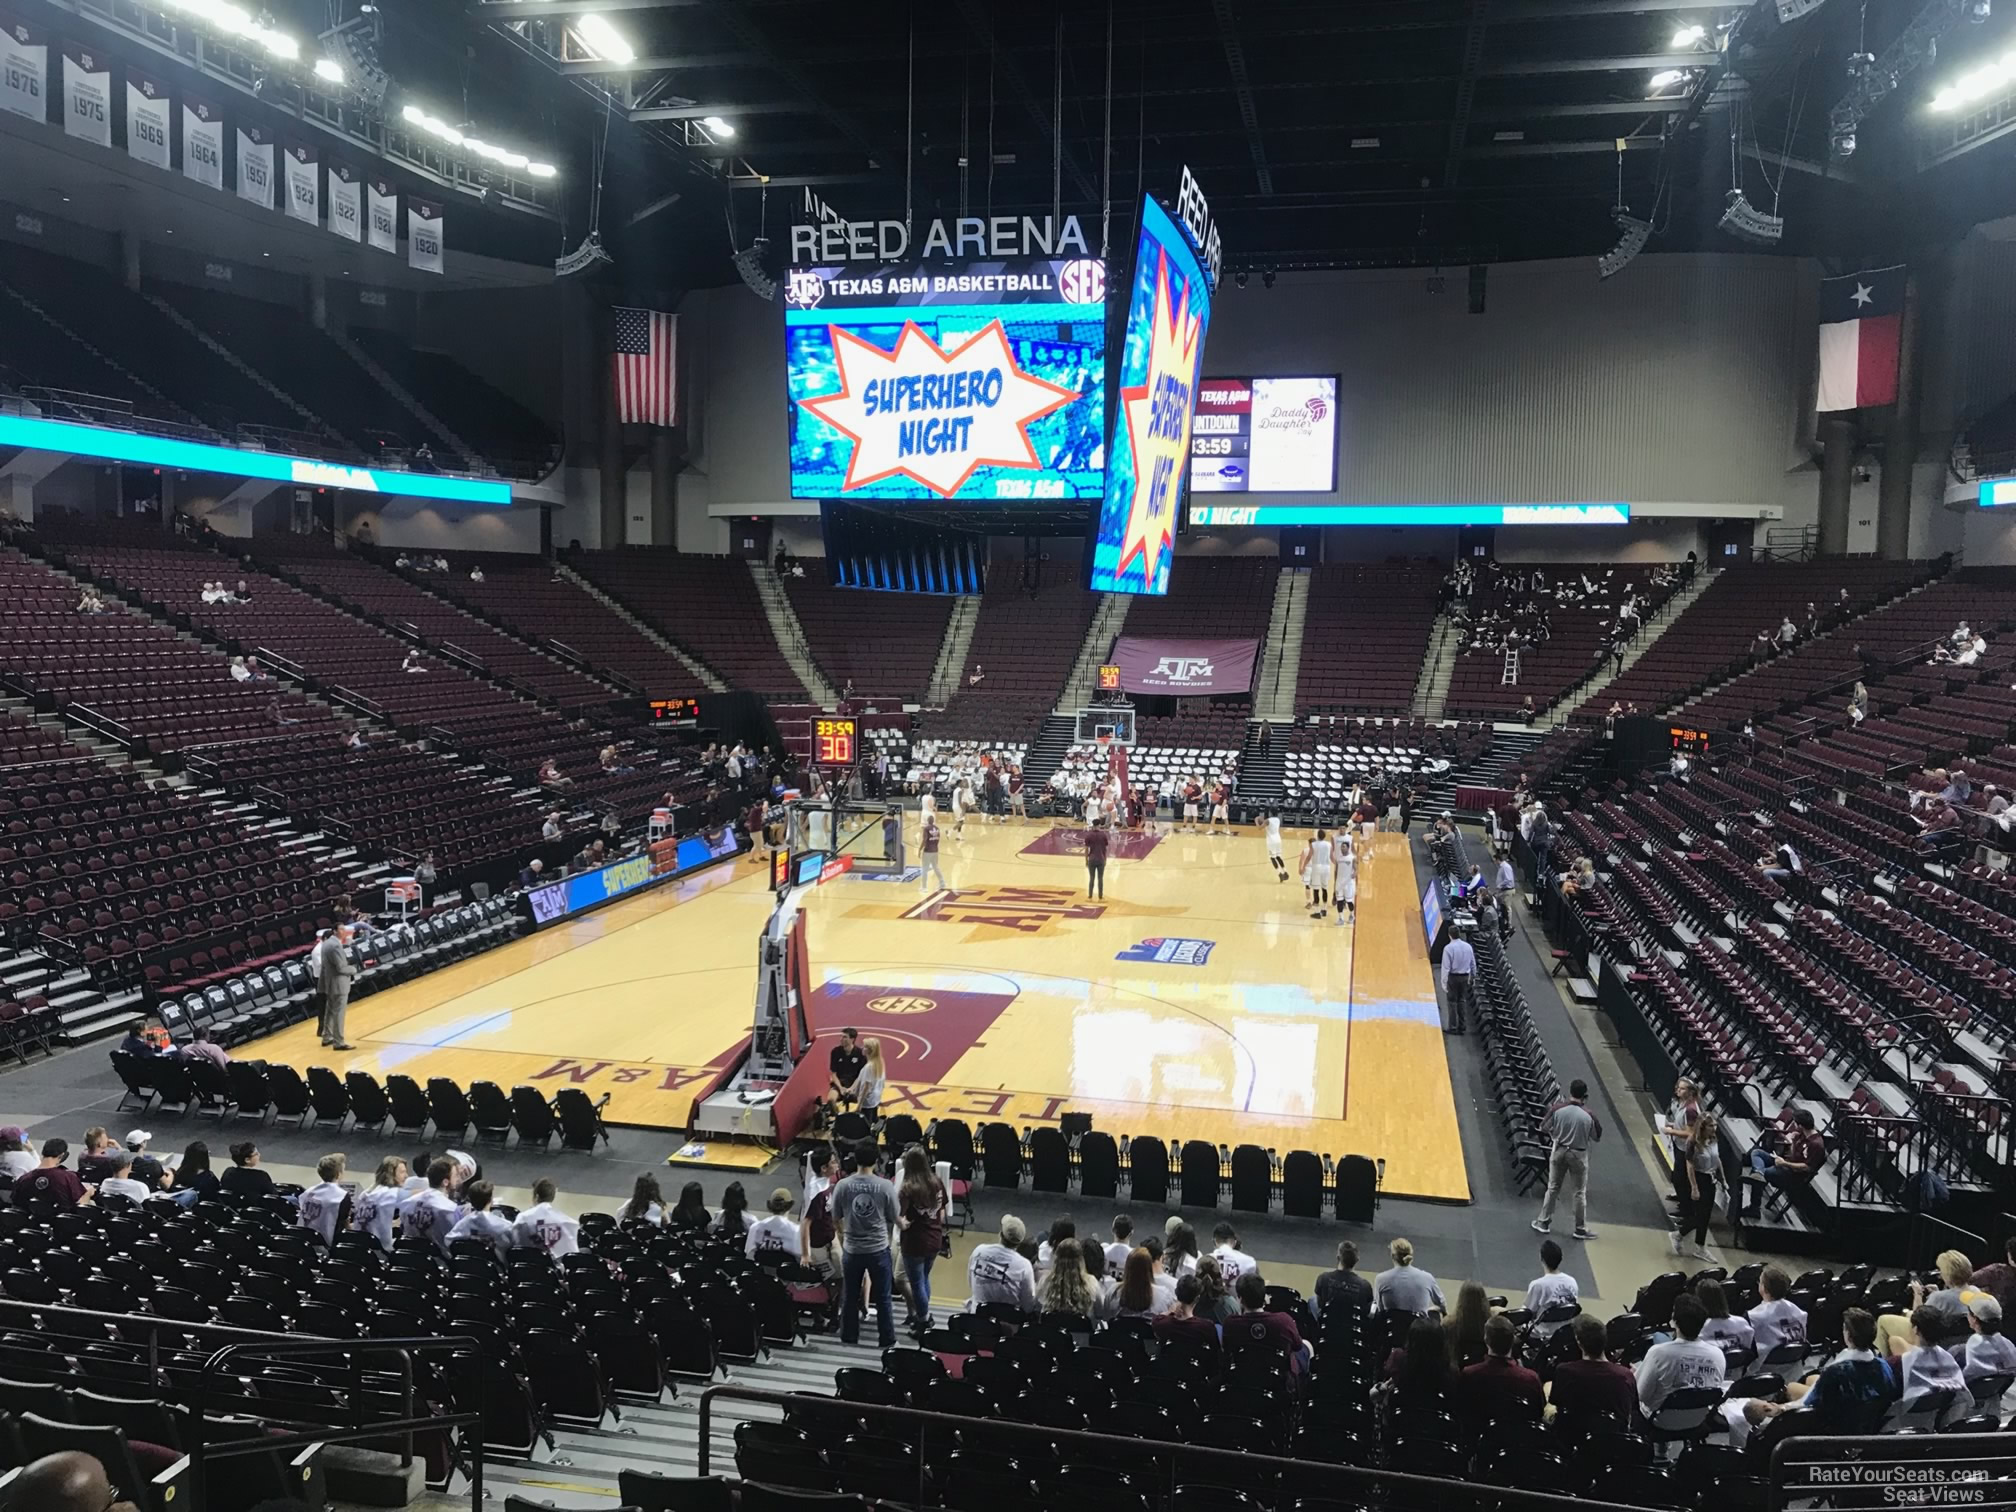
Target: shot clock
833,741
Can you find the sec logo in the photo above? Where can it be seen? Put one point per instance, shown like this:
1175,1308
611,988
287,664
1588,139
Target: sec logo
1082,281
902,1005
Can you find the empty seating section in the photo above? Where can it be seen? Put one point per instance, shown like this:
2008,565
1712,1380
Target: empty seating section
1365,636
356,663
706,605
136,883
403,603
503,432
285,346
42,355
161,693
531,598
1024,644
885,644
129,329
1581,601
1321,763
1713,637
1819,674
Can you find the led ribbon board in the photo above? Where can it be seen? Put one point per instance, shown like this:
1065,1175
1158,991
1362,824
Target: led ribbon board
1168,317
1997,492
1202,515
34,434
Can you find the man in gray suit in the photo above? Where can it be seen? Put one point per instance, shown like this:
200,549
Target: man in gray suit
333,971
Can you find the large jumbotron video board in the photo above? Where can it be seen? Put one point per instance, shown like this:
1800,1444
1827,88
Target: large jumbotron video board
964,380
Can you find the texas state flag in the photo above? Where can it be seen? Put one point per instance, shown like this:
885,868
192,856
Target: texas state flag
1860,316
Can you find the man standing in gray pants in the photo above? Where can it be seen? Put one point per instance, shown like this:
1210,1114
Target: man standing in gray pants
333,973
1573,1129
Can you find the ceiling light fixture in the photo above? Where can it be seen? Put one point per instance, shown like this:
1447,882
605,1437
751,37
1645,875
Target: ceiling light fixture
330,69
1990,78
454,136
718,126
1689,36
603,40
1666,78
236,21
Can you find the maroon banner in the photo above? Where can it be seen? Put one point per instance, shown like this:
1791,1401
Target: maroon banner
1185,667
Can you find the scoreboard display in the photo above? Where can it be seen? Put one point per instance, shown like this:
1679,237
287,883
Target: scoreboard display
834,741
674,709
1109,677
1264,435
1691,741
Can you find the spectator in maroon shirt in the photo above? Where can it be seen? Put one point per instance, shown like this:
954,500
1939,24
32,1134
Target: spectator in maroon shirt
1592,1390
1498,1388
1801,1153
50,1184
1181,1325
1255,1328
1999,1279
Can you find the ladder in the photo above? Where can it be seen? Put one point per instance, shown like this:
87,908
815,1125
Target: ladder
1510,676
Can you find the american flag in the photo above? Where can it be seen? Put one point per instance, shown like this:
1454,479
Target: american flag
646,358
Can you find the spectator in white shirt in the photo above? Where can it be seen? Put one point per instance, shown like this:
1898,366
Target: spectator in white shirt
121,1183
1551,1288
1774,1320
430,1213
543,1226
413,663
322,1203
999,1273
1732,1335
779,1234
373,1211
1926,1364
15,1156
550,830
1685,1362
646,1204
1046,1252
1122,1245
1990,1352
480,1223
239,671
1232,1260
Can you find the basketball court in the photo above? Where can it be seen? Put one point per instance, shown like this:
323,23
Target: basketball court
1195,1001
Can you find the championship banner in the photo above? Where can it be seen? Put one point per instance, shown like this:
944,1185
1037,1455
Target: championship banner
382,229
146,120
302,179
202,143
24,70
87,95
423,236
255,166
346,213
1185,667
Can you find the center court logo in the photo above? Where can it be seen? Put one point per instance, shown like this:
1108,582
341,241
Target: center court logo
902,1005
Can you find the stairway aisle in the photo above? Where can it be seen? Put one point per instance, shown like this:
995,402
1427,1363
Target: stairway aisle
1107,621
1668,615
1281,655
1438,669
1495,768
790,634
954,650
1047,751
1263,769
711,680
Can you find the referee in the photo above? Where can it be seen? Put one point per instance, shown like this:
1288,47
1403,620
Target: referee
1096,841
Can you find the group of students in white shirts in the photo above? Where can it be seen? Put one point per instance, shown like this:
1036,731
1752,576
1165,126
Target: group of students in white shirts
1000,1272
444,1205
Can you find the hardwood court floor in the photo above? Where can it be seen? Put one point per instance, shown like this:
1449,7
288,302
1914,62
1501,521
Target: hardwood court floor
1197,1000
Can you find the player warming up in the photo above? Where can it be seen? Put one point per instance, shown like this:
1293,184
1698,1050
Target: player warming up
1274,847
1347,881
1316,874
1221,807
1192,791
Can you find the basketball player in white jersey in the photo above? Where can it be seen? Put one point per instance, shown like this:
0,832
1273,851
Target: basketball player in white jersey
1274,847
961,801
1316,877
1347,880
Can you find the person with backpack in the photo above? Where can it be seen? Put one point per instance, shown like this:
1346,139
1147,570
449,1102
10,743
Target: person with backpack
924,1203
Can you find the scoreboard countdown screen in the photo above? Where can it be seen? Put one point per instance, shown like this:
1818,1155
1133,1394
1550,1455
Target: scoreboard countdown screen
1264,435
833,741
